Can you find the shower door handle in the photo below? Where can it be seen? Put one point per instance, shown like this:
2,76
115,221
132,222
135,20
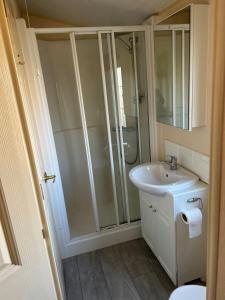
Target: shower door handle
47,177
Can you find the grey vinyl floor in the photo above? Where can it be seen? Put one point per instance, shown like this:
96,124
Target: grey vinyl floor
127,271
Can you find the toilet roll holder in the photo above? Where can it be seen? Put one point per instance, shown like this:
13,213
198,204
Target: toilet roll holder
196,199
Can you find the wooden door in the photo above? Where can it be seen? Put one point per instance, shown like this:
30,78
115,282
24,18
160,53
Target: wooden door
45,159
42,139
28,275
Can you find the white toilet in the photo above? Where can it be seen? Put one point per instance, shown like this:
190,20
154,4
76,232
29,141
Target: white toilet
189,292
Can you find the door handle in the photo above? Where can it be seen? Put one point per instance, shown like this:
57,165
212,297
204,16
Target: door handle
47,177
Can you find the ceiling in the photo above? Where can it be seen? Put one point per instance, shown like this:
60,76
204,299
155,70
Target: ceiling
95,12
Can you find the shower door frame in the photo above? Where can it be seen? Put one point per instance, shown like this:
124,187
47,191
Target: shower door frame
76,245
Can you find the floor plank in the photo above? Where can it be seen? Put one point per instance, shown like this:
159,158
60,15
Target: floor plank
149,277
127,271
149,287
136,258
72,279
93,282
120,284
164,279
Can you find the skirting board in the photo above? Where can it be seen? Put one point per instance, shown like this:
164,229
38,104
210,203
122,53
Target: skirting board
103,239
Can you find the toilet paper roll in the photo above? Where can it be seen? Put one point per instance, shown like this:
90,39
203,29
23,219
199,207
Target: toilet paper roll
193,218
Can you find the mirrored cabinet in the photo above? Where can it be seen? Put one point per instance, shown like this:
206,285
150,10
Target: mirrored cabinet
180,59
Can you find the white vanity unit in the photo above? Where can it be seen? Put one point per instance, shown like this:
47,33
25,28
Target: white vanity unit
164,194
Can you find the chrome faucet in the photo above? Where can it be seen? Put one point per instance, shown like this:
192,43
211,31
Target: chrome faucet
172,162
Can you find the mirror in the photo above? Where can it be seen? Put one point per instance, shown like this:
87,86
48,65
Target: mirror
172,69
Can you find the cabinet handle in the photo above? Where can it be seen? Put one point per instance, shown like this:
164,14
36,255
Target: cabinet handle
154,210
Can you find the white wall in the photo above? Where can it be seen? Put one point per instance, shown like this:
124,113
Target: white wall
192,160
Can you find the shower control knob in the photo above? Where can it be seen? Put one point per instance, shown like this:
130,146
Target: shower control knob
150,206
154,210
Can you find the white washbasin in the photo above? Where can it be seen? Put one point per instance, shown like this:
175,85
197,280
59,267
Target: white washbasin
157,178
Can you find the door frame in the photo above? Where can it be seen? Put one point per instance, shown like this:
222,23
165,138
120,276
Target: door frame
216,211
40,104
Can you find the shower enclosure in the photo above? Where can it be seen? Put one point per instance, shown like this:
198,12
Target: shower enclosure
94,81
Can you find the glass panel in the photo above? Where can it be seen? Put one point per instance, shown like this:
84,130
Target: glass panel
182,68
91,80
4,251
172,69
9,254
128,107
164,76
143,96
113,118
57,67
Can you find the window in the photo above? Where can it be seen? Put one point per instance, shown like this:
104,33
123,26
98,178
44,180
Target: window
8,250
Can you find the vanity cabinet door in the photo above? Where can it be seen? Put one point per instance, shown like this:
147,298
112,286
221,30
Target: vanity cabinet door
148,224
158,232
165,250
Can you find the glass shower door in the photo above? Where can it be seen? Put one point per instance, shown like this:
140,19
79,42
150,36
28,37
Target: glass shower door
98,128
132,103
107,60
67,126
124,71
96,90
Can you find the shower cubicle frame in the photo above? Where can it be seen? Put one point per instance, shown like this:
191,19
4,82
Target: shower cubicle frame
40,125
